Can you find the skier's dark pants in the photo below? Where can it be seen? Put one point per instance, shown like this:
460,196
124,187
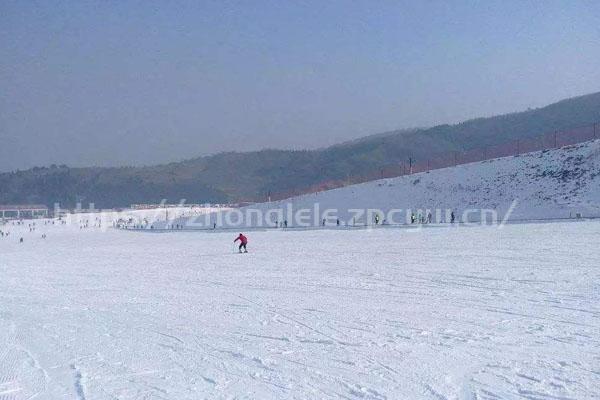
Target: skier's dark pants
243,245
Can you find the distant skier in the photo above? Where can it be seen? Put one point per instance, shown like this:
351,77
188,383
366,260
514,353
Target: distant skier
243,242
452,217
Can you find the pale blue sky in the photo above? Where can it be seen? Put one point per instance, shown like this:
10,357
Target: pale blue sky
116,83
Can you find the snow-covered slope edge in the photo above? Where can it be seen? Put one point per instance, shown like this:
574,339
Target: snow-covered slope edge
546,184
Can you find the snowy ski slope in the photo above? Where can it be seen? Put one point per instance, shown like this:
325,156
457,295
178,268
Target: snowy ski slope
441,312
551,184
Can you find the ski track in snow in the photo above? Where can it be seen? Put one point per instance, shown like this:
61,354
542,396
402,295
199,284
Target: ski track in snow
445,313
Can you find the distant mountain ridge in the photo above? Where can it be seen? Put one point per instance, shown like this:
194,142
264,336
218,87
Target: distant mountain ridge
235,176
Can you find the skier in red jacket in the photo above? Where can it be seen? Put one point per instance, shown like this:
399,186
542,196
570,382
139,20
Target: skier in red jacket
243,242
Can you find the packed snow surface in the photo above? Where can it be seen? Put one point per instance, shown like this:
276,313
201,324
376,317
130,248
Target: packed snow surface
438,312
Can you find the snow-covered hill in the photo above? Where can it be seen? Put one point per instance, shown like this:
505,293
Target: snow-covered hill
557,183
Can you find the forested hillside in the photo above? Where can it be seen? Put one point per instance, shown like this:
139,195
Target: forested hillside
237,176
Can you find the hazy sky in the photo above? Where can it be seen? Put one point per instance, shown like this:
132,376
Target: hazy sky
123,82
